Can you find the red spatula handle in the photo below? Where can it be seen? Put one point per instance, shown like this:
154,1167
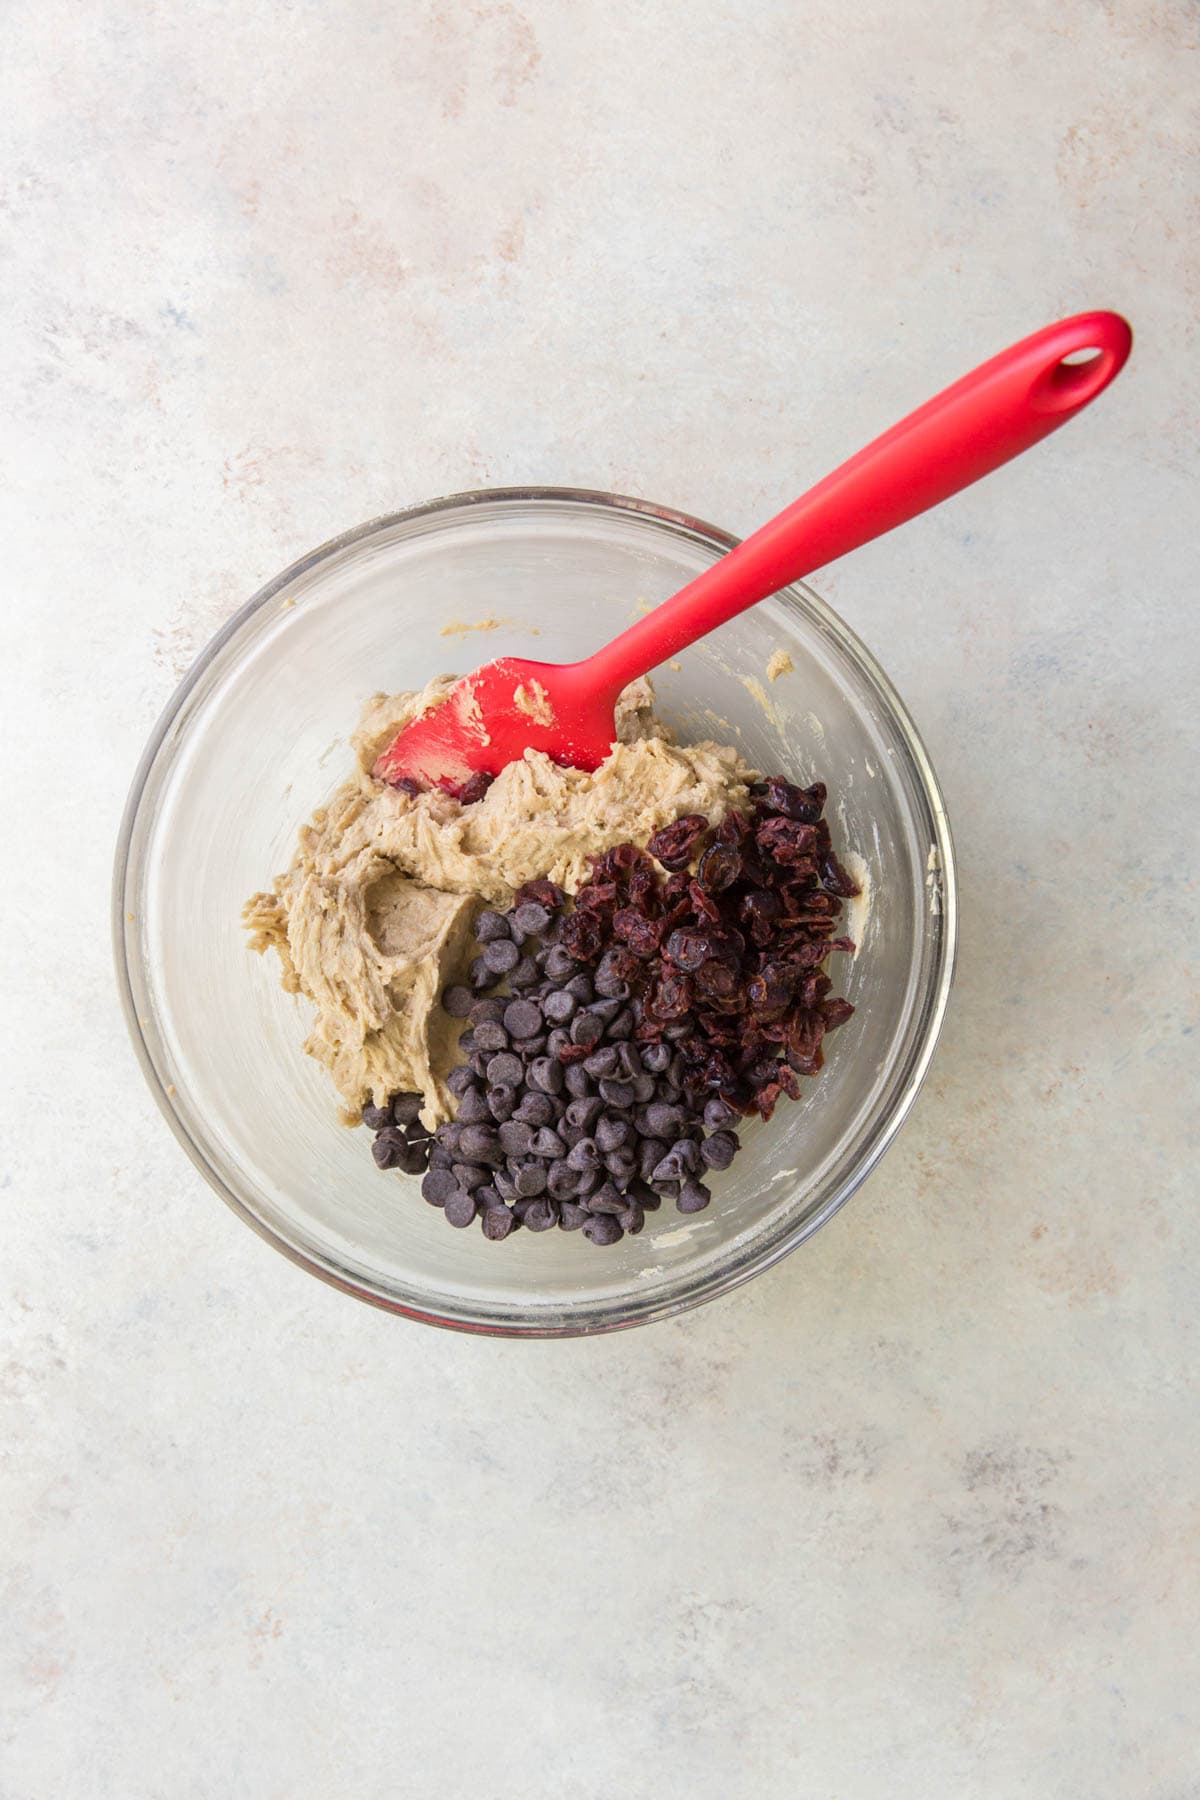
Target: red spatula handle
990,416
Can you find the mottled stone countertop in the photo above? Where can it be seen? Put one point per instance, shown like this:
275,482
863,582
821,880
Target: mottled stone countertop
916,1513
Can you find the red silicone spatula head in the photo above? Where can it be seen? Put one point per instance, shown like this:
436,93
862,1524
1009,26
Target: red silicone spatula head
491,717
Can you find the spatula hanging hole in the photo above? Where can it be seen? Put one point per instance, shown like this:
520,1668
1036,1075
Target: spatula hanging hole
1074,379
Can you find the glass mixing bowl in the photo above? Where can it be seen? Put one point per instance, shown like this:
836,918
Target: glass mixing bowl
257,736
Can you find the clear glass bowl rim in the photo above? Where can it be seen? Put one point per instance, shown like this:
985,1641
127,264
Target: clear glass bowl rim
924,1036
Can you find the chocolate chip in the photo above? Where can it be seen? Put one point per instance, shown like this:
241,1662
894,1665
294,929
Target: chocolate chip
473,1108
439,1158
460,1209
622,1166
562,1181
602,1229
536,1109
558,1041
479,975
583,1155
411,1159
559,1006
530,1180
650,1153
502,1102
546,1075
622,1026
487,1009
559,966
500,955
617,1093
526,974
605,1010
586,1030
498,1222
522,1018
577,1081
643,1089
547,1143
671,1168
478,1141
656,1058
388,1147
540,1216
491,927
664,1121
580,988
613,1134
632,1219
469,1176
505,1070
438,1185
719,1150
491,1036
457,1001
693,1197
602,1061
375,1118
571,1217
516,1137
531,918
717,1112
584,1112
606,1199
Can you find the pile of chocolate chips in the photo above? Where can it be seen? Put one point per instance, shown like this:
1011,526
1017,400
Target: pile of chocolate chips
401,1141
636,1029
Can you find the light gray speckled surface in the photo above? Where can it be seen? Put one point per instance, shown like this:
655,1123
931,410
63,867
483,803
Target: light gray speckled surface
916,1514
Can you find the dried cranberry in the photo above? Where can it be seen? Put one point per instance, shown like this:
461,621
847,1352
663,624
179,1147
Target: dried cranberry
671,997
836,879
643,889
407,785
675,844
596,897
772,989
703,905
804,1043
476,788
779,796
676,889
758,911
785,840
717,982
734,829
642,935
541,893
688,949
615,864
835,1013
719,868
582,936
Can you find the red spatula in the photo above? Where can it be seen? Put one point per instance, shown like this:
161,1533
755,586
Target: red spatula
566,709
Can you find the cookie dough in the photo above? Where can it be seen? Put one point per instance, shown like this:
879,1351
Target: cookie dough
373,918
